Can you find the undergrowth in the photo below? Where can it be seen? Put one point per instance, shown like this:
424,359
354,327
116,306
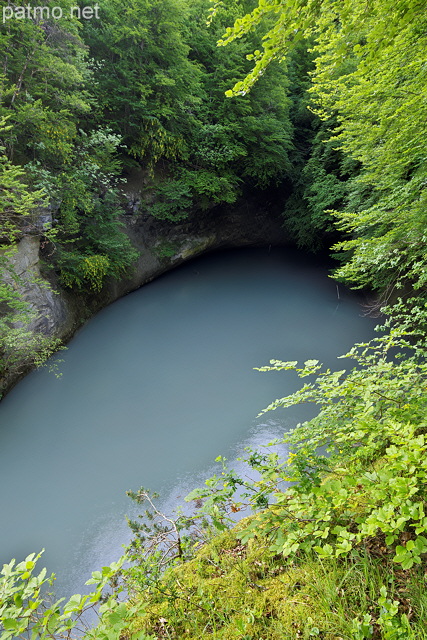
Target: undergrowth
240,591
337,546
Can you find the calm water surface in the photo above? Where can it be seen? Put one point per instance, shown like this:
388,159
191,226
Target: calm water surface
152,390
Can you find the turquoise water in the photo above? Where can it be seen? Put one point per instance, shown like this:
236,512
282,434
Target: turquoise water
152,390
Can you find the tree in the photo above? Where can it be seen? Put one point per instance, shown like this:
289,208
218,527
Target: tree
43,84
369,82
146,86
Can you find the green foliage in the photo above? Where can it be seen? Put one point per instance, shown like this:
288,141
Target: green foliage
90,244
21,348
146,86
166,249
27,610
393,626
160,82
43,85
368,85
45,82
385,213
323,185
248,140
18,206
77,270
177,198
359,465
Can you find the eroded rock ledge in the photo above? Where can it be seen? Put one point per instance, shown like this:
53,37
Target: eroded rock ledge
162,245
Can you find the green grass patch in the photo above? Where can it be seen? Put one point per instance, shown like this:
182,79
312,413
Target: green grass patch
233,591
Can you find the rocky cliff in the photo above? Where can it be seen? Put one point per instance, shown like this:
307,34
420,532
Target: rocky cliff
161,245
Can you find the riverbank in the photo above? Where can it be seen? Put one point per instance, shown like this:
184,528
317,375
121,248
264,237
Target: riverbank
341,554
59,312
236,591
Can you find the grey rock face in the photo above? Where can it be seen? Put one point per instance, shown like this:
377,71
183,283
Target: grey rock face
51,308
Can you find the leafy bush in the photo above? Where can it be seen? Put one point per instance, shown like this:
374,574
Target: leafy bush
360,466
26,610
177,197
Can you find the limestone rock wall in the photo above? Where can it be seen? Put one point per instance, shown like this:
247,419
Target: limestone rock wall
53,312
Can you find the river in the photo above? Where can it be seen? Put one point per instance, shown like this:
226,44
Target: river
153,389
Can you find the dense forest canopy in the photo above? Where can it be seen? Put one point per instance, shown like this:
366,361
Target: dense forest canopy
324,102
368,87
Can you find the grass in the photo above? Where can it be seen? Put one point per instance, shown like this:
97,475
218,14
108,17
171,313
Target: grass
231,591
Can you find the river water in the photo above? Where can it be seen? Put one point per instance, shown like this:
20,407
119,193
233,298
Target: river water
152,390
